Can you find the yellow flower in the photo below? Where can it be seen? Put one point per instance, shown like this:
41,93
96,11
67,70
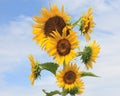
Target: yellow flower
90,54
87,24
49,21
69,77
62,47
34,69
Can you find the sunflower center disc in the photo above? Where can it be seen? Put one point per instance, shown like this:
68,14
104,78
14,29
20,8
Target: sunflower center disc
53,24
69,77
63,47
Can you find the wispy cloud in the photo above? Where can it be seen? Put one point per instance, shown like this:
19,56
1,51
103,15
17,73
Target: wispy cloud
16,42
47,83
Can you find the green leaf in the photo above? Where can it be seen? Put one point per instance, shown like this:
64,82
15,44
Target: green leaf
51,93
49,66
89,74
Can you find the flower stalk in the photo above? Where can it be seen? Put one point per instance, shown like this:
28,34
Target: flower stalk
76,23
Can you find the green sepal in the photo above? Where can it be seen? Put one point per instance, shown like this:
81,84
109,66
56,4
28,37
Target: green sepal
86,54
49,66
79,54
37,71
73,91
51,93
81,25
84,74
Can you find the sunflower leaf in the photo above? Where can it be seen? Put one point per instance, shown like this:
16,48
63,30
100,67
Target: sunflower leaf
89,74
51,93
49,66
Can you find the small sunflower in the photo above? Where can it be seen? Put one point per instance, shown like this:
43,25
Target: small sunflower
87,23
49,21
69,77
62,47
90,54
34,69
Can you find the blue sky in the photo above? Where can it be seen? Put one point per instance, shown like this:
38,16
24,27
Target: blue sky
16,43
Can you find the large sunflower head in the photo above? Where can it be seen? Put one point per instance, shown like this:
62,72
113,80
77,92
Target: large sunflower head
87,24
49,21
34,69
90,54
69,77
61,47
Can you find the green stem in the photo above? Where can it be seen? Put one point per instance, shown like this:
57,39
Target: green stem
76,22
64,65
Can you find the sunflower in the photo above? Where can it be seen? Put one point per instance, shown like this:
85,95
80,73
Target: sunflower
87,24
62,47
34,69
90,54
49,21
69,77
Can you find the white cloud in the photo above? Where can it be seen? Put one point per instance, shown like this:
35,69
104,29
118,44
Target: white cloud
24,91
44,83
16,43
78,5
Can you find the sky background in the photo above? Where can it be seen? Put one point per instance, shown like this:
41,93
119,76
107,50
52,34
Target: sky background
16,44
